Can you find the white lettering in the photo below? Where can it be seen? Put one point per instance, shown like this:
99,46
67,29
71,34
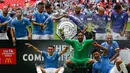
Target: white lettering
24,57
30,57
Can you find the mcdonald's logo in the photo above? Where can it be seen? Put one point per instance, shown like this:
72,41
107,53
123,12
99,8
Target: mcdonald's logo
8,61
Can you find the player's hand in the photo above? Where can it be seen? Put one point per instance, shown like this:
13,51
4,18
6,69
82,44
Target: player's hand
5,23
29,37
122,33
28,44
42,26
14,41
67,47
65,15
95,44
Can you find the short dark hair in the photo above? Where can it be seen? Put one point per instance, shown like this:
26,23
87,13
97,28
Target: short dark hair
40,3
117,6
48,5
79,32
51,46
19,9
96,50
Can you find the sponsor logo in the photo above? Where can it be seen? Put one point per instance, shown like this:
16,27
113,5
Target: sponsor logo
8,61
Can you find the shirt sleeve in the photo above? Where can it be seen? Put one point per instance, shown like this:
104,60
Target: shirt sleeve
28,23
93,19
9,24
126,18
57,54
112,17
33,17
116,45
85,20
107,18
68,41
43,53
89,43
12,24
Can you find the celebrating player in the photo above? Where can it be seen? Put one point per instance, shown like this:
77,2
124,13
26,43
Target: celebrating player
5,20
112,46
38,20
81,48
103,64
50,58
48,31
18,27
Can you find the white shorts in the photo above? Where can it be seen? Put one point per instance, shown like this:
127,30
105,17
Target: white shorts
37,37
100,36
117,36
50,70
3,36
114,70
22,38
42,37
48,37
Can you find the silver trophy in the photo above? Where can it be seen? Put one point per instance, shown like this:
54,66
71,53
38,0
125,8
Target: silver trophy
67,27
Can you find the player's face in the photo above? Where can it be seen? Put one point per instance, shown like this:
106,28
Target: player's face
41,8
80,36
100,12
77,11
50,50
18,13
118,10
5,9
109,39
96,55
49,10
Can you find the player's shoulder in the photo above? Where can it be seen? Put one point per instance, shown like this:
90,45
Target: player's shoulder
105,15
35,12
46,14
124,13
25,19
114,42
104,43
94,15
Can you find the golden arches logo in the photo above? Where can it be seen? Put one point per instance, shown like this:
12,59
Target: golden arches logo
8,61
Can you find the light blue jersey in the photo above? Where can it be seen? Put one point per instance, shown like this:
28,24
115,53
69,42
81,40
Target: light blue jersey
40,19
111,49
2,20
49,28
103,65
20,27
50,61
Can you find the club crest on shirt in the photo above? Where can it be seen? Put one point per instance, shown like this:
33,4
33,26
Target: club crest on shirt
23,22
115,16
82,19
104,18
122,16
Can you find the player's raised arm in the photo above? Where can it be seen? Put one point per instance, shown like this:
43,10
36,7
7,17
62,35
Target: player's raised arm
64,50
33,47
102,48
